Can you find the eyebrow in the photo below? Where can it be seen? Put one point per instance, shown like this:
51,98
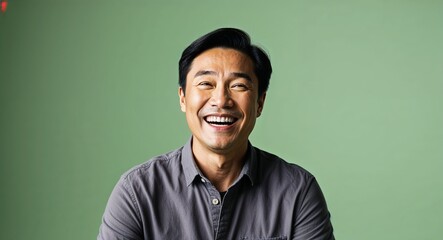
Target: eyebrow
242,75
234,74
204,72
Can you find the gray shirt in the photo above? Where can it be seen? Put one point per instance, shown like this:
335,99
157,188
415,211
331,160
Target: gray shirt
169,198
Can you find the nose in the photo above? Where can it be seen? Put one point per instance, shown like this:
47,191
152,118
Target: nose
221,98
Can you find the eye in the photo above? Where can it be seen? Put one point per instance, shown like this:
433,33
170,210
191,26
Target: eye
204,85
239,87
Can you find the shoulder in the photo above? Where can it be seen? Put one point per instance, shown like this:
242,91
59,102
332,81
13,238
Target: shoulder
154,167
274,167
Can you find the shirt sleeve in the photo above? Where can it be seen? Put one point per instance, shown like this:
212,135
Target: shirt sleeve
312,221
121,220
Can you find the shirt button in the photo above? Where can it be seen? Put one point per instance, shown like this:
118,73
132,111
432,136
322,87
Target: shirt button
215,201
203,180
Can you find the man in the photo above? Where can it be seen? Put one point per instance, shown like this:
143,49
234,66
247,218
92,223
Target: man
218,186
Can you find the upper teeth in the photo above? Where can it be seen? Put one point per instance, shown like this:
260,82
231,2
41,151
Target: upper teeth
219,119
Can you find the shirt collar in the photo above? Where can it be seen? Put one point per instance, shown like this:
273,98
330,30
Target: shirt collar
250,168
188,163
191,170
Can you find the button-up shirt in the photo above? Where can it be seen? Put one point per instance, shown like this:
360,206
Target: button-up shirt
169,198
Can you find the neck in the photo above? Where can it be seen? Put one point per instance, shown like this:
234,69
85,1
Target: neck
222,169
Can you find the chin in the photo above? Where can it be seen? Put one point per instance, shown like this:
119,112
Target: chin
221,145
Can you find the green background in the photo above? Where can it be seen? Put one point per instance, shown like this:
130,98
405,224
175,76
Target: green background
89,89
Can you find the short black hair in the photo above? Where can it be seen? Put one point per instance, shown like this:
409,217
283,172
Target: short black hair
227,38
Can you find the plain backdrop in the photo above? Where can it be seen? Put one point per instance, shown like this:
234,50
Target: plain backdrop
88,89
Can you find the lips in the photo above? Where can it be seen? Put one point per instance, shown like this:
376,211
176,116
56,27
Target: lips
220,120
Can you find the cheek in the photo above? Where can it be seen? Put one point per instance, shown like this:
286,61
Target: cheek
194,101
249,105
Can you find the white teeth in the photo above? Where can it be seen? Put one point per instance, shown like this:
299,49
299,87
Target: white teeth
219,119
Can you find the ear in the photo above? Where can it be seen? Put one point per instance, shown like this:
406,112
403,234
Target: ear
181,95
261,103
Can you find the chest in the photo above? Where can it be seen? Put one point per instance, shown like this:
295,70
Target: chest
199,212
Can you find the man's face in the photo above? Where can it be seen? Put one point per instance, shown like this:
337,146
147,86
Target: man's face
221,101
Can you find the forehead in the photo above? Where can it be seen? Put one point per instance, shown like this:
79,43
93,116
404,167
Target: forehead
222,59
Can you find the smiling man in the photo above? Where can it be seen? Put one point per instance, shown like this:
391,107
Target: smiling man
219,186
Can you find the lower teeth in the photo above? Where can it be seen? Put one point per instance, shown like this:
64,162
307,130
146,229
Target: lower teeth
219,123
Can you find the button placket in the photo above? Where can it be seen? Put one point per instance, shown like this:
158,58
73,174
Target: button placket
214,203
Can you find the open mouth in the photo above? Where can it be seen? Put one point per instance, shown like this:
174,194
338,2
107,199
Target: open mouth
220,121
